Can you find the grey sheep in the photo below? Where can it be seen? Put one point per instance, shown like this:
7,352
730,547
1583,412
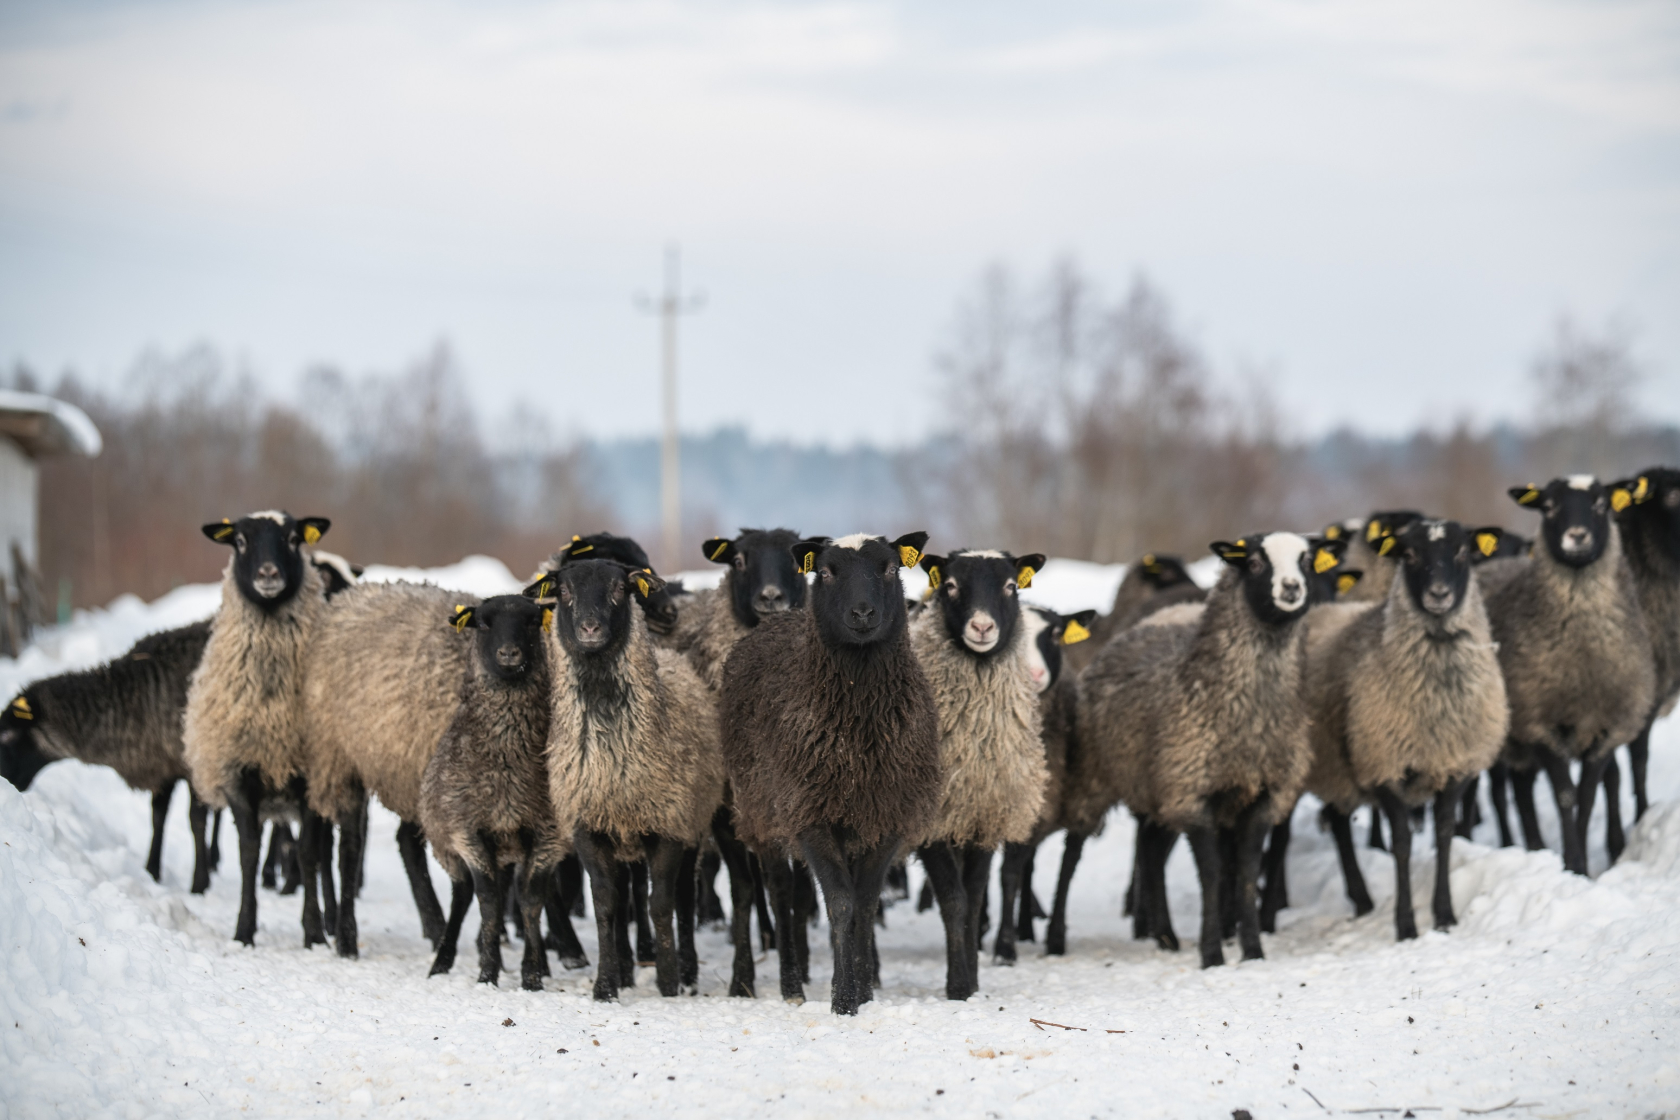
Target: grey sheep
1203,727
1154,582
634,766
242,734
972,648
760,580
1647,509
1575,651
1363,538
484,798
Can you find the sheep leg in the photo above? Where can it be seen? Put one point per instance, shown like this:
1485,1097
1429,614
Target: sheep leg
1341,827
646,953
1469,807
1522,786
1204,845
411,843
622,918
460,897
1639,757
216,842
197,814
869,874
487,884
1137,890
1614,838
1055,935
1029,907
823,854
663,862
946,874
804,913
323,866
1376,838
1593,772
977,878
1251,830
687,889
778,873
1276,896
570,876
510,903
533,893
352,829
160,813
1567,799
595,850
291,876
708,905
1446,803
1229,867
924,897
766,928
1009,887
742,977
243,801
271,862
310,828
562,938
1400,821
1152,886
1499,776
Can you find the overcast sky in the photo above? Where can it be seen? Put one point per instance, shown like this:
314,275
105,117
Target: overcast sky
1383,204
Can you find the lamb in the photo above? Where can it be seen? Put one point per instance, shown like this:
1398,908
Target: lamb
1044,633
125,714
1647,509
484,798
972,649
831,735
1154,583
242,735
1407,703
634,767
1201,726
1576,653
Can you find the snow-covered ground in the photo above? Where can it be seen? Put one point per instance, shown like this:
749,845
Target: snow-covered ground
1555,996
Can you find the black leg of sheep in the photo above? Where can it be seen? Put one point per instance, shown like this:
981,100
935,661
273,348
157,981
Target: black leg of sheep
663,863
460,898
778,873
352,830
1522,788
1499,777
804,914
595,849
1567,798
1341,827
160,813
1276,894
1030,907
244,800
1595,769
323,870
1250,834
742,976
311,829
623,918
1639,757
688,889
645,951
1615,839
1204,845
487,885
1055,935
1470,807
851,890
1229,888
1015,858
566,890
1400,821
1446,804
1157,845
761,894
709,905
411,843
272,861
197,815
216,841
946,868
533,894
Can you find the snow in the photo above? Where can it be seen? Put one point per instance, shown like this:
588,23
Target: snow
128,998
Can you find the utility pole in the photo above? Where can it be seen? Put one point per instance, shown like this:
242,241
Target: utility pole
670,307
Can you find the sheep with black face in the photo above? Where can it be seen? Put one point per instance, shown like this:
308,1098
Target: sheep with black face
1198,725
1576,653
760,580
660,609
242,734
1363,539
1156,581
1647,509
634,767
484,800
832,739
970,645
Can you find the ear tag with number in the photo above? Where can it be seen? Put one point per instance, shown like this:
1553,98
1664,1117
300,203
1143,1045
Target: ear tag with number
908,555
548,619
641,586
1345,582
1324,560
934,579
1023,578
1529,497
463,615
1074,633
311,534
1488,543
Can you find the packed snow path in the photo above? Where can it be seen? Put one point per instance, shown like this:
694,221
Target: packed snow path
1555,995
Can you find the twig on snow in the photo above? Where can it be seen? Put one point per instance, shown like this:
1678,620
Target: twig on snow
1042,1023
1315,1100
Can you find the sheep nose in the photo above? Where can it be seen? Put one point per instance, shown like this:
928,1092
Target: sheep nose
982,630
1577,539
1438,597
1291,590
588,628
770,593
510,656
268,570
862,616
770,598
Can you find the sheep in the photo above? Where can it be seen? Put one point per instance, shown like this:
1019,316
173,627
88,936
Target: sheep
1200,725
1363,539
760,581
125,714
484,795
1154,583
634,767
660,609
972,650
1407,703
831,735
1647,509
1576,654
1045,633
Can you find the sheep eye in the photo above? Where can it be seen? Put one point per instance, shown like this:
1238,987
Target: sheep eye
951,588
1009,588
1599,505
1255,564
292,540
826,575
239,542
1672,499
566,595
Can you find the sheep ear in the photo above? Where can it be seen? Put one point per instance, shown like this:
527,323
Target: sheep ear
645,582
719,550
1629,492
1026,567
910,547
1150,564
1232,552
543,588
314,528
220,531
1524,495
357,570
578,547
461,618
1077,627
1346,581
934,566
805,553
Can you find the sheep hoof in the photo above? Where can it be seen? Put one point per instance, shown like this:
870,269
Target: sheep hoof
531,983
794,1001
573,963
440,968
488,978
741,989
1003,961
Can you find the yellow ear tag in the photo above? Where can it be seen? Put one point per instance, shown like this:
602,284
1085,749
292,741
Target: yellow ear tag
1386,547
20,709
1073,633
225,532
1643,490
463,615
722,548
1488,543
1345,582
805,563
907,555
548,619
933,577
1620,499
1373,530
1333,532
1324,561
1529,498
579,548
1023,578
642,587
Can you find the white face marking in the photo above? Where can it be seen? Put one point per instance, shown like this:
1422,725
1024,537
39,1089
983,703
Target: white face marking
1437,530
273,515
983,553
980,632
1285,550
1581,481
1035,624
856,541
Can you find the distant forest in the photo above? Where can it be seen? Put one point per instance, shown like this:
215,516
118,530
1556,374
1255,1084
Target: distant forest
1090,428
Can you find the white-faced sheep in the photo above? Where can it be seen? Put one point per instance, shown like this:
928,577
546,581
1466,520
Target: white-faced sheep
484,798
1203,723
242,736
1575,651
832,739
971,645
1407,703
634,767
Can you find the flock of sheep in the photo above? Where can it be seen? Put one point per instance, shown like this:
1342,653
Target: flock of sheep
805,720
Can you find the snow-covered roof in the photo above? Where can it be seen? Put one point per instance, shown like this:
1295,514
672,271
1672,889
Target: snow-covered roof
44,425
